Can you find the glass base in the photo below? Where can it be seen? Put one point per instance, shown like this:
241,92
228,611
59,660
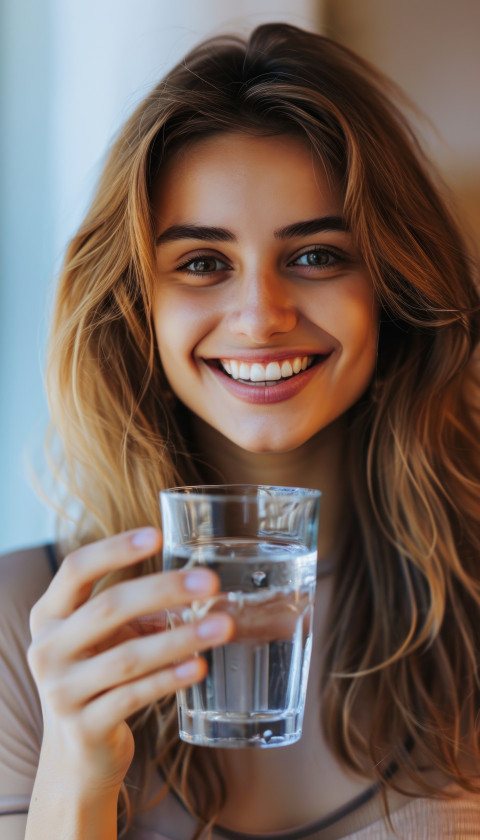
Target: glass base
210,729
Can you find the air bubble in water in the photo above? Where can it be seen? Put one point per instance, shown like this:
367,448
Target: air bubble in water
267,735
260,579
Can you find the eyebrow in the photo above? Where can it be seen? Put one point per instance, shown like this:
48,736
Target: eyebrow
218,234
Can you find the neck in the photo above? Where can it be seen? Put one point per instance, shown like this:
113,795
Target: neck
318,463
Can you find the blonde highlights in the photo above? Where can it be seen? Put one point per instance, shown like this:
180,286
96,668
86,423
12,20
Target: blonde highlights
404,618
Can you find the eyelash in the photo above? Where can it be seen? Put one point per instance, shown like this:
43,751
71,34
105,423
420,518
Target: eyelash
199,258
335,258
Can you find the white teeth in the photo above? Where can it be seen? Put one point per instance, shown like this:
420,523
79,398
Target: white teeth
257,373
273,371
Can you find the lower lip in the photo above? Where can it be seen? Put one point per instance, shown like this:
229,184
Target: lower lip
268,394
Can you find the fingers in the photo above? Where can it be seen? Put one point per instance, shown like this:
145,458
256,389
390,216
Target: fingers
72,585
94,665
139,659
111,610
78,656
101,715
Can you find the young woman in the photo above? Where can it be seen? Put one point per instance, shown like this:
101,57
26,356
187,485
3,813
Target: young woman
267,288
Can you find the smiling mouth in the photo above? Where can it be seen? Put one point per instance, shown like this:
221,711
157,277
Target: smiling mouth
266,375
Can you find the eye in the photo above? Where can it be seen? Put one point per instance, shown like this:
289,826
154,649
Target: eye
205,264
317,258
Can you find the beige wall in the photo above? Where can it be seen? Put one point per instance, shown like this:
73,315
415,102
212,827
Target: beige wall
431,48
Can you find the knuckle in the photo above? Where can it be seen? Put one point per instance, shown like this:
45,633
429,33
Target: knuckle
37,657
36,617
32,658
104,605
56,694
131,698
71,565
127,662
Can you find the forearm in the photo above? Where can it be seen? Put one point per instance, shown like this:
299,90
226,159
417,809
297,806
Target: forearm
60,813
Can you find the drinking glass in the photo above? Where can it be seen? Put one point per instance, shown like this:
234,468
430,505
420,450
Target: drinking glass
262,543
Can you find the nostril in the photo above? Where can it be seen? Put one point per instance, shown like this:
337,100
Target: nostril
259,323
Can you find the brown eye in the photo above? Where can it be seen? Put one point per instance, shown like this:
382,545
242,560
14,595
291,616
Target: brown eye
203,265
318,258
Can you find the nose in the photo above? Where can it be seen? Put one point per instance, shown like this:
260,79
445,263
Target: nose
262,308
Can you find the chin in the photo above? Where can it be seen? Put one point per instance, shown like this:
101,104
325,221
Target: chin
264,445
262,450
263,442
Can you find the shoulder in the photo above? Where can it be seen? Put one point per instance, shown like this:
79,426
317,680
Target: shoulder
455,814
24,576
452,813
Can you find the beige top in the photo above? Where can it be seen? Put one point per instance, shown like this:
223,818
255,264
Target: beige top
419,819
24,576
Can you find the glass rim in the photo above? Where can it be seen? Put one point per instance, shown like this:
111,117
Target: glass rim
238,492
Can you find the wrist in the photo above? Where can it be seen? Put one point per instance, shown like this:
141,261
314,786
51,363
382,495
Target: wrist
75,811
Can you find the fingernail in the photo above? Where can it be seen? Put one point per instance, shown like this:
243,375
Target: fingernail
213,627
146,538
187,670
198,580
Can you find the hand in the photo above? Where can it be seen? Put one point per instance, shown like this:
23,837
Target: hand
93,663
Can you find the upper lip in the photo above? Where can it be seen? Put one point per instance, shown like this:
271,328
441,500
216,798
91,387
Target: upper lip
264,357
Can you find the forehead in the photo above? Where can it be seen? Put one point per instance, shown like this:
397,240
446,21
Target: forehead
230,172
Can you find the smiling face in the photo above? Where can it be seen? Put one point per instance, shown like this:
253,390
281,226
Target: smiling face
264,314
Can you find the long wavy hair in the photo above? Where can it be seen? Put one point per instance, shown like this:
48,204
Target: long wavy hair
405,617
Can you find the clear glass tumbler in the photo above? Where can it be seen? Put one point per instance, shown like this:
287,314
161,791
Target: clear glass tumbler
262,542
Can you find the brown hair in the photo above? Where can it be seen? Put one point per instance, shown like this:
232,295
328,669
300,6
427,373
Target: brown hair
404,623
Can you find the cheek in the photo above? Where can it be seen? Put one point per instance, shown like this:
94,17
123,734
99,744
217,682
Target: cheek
361,314
351,316
171,316
166,321
180,323
355,327
361,327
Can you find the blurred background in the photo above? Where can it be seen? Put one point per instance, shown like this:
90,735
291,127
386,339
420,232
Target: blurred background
71,71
